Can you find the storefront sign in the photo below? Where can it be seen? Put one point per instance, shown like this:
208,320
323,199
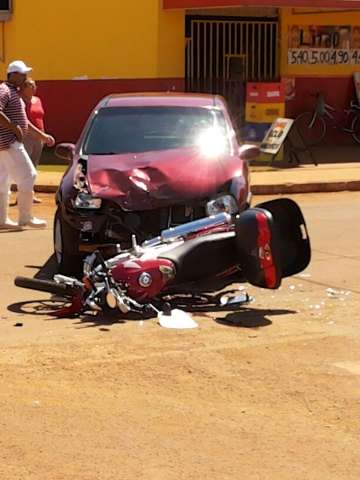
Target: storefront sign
324,45
322,56
276,135
353,4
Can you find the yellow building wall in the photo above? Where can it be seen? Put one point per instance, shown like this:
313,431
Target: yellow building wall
313,17
171,43
67,39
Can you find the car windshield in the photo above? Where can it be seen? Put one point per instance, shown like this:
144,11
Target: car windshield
118,130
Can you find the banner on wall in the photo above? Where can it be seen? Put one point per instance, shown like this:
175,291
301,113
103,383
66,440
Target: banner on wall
289,87
324,45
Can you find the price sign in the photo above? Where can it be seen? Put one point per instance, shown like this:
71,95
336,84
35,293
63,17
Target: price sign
276,135
323,56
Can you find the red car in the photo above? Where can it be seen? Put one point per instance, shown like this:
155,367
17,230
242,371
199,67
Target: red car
145,162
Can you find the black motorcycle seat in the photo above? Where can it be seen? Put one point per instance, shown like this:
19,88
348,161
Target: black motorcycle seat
203,257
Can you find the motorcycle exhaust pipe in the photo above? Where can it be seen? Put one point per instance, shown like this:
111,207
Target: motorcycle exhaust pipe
182,231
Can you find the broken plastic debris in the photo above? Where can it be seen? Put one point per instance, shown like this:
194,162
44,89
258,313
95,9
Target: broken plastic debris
339,294
332,293
176,319
233,299
292,287
315,307
223,300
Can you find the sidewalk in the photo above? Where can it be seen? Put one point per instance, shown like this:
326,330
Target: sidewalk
327,177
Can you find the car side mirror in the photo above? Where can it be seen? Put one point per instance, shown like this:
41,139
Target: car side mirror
65,151
248,152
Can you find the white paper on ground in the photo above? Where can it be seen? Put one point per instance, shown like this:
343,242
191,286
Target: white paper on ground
177,319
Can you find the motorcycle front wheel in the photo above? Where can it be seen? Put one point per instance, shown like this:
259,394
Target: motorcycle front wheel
48,286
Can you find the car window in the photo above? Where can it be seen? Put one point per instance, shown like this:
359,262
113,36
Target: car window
141,129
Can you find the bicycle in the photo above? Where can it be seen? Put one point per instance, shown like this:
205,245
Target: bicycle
312,125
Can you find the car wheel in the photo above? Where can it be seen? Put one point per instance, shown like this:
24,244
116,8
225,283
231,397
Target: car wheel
66,242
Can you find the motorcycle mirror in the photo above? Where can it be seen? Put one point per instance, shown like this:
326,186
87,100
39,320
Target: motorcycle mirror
248,152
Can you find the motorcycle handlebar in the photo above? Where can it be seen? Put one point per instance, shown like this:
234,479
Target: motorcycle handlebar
172,234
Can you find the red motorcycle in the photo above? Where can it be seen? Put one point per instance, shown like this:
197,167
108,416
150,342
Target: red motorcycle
260,245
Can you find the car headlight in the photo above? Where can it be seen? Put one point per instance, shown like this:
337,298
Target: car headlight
225,203
86,201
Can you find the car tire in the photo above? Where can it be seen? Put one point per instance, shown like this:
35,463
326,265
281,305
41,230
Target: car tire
66,243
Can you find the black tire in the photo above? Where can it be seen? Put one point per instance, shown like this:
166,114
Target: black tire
355,127
312,132
43,285
66,247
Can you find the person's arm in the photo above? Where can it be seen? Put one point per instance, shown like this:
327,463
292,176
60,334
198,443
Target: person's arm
42,136
7,123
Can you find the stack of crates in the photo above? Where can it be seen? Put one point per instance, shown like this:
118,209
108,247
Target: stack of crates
265,102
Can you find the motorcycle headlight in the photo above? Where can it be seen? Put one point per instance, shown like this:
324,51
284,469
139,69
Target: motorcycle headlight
225,203
86,201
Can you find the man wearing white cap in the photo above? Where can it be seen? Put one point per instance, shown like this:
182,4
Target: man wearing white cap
15,163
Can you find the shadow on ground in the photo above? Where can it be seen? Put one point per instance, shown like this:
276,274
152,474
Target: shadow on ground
320,154
243,317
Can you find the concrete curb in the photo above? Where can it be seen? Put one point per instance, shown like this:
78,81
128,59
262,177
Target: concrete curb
274,189
313,187
46,188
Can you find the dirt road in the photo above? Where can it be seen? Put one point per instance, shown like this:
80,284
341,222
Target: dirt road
269,392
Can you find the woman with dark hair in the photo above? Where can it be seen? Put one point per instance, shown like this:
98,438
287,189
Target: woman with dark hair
35,113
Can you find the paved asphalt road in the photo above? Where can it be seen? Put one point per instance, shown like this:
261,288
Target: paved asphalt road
270,392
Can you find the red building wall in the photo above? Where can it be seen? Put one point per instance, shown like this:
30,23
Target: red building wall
338,91
68,103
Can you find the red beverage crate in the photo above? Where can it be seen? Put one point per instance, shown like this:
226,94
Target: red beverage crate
267,92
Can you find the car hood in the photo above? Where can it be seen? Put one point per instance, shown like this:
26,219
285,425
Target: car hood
159,178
